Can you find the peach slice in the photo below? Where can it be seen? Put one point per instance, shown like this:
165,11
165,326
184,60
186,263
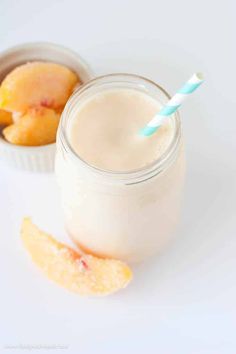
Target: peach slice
36,127
37,84
86,274
5,117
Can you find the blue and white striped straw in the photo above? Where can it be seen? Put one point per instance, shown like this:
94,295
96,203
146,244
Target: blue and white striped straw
173,104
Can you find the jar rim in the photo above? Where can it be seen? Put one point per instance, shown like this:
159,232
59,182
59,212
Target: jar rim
124,177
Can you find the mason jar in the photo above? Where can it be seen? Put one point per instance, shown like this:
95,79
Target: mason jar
129,216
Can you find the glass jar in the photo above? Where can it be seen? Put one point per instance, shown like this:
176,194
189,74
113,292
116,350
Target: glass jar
130,215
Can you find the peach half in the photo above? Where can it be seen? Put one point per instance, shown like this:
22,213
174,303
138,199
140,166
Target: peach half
37,127
37,84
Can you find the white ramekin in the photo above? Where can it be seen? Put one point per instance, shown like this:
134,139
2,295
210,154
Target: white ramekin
37,158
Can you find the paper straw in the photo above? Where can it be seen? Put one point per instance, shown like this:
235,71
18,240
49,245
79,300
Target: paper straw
173,104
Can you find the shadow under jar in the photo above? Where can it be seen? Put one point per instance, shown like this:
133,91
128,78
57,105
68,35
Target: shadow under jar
125,215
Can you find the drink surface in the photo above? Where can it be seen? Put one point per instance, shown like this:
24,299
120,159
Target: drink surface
105,130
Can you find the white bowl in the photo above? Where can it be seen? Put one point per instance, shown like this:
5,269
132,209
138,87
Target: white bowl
37,158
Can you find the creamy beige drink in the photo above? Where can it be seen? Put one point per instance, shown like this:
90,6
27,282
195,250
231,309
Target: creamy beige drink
120,191
105,130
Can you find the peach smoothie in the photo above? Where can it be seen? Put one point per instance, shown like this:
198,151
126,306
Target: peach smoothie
111,120
120,191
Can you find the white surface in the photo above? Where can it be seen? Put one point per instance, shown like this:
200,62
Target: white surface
184,301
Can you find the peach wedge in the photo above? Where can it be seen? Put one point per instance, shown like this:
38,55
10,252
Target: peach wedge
36,127
37,84
83,274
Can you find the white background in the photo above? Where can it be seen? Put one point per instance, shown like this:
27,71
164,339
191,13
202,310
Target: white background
183,302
